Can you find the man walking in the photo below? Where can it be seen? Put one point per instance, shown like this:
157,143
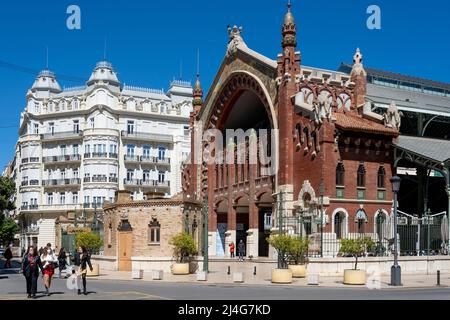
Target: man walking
241,250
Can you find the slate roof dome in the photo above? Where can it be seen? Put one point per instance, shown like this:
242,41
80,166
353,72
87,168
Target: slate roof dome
104,71
46,81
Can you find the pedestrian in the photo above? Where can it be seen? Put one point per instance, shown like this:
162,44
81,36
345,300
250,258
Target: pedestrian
8,256
232,247
49,262
31,263
82,260
62,261
241,250
41,251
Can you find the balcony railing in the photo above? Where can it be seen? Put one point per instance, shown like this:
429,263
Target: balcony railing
32,230
94,205
61,182
99,179
62,135
113,179
30,160
154,183
132,182
32,183
87,179
155,160
131,158
147,136
30,207
99,155
62,158
114,156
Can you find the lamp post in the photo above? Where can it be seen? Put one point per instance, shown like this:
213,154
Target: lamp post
280,226
396,272
322,191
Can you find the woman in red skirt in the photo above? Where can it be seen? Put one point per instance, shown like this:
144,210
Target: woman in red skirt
48,259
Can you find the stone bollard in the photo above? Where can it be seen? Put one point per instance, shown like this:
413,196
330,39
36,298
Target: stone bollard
313,279
202,276
157,274
238,277
137,274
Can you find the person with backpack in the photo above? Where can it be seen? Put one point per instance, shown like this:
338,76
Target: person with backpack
31,264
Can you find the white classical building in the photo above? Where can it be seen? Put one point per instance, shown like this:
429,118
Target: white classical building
78,146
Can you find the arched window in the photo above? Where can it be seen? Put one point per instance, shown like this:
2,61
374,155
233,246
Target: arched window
361,220
361,176
340,175
154,232
340,225
298,133
306,132
381,178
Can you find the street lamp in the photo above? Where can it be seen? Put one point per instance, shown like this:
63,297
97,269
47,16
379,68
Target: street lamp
396,271
205,234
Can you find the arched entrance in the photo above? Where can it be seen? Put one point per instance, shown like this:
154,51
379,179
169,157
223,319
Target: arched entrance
243,113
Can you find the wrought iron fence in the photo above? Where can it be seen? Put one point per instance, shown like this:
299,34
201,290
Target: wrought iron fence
416,236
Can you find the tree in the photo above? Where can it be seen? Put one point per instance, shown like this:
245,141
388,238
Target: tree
8,227
184,246
298,251
91,241
356,247
282,244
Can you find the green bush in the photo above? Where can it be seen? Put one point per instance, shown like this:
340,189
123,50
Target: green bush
298,251
184,247
282,244
356,247
91,241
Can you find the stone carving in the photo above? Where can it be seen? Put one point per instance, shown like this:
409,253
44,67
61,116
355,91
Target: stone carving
235,39
358,67
392,118
322,108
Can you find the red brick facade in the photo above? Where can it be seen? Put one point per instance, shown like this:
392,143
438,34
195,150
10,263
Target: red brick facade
321,123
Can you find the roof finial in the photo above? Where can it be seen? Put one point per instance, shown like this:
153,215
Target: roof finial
198,63
289,5
104,50
46,58
289,18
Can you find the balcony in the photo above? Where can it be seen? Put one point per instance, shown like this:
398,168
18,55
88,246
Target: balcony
30,160
93,205
132,182
32,230
113,179
143,136
96,155
155,160
32,207
131,158
62,159
156,184
87,179
55,136
99,179
32,183
61,182
114,156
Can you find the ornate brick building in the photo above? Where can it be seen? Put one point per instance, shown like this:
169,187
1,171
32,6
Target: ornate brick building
325,134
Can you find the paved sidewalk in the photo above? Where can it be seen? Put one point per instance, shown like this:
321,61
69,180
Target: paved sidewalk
215,278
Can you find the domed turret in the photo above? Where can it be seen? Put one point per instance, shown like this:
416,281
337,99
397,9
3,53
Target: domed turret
197,93
289,17
104,72
46,81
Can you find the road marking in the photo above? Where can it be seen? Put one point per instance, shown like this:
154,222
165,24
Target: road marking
145,295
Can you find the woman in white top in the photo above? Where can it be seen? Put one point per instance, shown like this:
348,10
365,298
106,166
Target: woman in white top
49,260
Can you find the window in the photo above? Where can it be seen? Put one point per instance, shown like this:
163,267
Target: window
130,150
130,127
298,133
130,175
146,176
62,105
113,149
186,130
75,149
75,198
381,178
87,149
146,152
36,107
51,128
36,128
162,108
62,198
75,104
50,199
161,176
76,126
63,174
340,175
92,123
63,150
361,176
86,199
161,153
75,174
361,220
154,232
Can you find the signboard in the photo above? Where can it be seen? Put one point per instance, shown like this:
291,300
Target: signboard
402,221
75,230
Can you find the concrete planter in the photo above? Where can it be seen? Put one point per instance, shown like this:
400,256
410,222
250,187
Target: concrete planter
95,271
355,277
137,274
202,276
282,276
157,274
238,277
298,271
180,269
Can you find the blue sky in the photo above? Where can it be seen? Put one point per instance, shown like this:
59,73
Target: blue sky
147,40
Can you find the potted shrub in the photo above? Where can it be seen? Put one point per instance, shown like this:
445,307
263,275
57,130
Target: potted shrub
354,248
92,242
183,249
298,260
282,244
